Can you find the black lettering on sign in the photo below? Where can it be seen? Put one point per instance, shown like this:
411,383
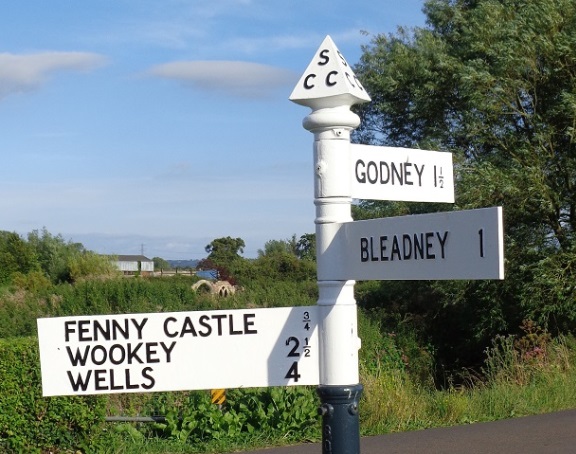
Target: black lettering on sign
293,372
307,84
140,353
203,320
329,81
113,385
416,246
134,354
395,249
364,254
168,332
248,322
151,381
234,332
344,62
111,380
100,380
296,343
393,173
219,318
232,324
152,354
81,382
306,320
94,330
129,384
168,350
438,178
331,78
324,57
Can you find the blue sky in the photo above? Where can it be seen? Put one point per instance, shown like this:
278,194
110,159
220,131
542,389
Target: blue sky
132,125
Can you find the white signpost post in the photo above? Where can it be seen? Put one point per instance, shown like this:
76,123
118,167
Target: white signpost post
329,87
177,351
454,245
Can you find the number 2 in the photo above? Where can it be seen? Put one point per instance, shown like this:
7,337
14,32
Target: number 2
293,352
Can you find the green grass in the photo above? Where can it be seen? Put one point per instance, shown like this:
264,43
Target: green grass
514,385
119,443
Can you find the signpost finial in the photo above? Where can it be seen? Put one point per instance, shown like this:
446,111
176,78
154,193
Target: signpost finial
328,81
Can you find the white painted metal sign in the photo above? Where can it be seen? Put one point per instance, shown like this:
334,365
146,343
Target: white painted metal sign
390,173
328,80
452,245
176,351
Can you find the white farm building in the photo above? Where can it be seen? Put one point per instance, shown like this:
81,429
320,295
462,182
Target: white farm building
133,264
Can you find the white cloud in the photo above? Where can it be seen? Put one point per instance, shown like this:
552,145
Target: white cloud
228,77
20,73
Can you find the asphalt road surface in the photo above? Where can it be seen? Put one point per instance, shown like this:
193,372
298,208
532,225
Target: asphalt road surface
553,433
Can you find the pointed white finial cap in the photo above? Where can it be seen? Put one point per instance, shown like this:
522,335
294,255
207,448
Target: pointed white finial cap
328,81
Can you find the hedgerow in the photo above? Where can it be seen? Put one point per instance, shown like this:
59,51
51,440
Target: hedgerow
32,423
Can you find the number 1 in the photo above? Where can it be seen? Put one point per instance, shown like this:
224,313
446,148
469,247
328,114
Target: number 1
481,235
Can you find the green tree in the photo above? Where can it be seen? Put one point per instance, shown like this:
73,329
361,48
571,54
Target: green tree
271,247
223,251
90,265
494,82
306,247
161,264
16,256
54,254
280,260
224,256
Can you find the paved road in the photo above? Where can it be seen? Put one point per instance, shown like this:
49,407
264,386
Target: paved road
554,433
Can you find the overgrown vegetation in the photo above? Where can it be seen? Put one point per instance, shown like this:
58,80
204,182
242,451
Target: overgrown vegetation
29,422
524,374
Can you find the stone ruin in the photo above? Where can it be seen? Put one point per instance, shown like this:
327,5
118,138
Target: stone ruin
217,288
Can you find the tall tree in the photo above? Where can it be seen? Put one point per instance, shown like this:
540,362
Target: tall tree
16,256
306,247
281,260
272,247
54,253
494,82
222,251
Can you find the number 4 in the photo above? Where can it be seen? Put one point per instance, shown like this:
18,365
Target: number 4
293,372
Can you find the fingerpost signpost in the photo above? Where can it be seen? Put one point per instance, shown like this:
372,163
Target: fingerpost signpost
456,245
304,345
178,351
